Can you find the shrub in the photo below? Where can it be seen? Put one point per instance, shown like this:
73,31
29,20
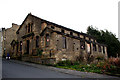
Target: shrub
39,52
114,61
65,63
99,58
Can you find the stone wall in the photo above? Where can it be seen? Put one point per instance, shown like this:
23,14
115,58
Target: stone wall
1,42
64,43
9,35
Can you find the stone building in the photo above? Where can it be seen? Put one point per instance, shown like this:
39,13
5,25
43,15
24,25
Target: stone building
53,42
0,42
8,35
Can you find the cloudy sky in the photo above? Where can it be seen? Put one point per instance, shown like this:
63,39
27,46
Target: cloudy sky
74,14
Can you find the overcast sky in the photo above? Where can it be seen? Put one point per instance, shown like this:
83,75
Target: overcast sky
74,14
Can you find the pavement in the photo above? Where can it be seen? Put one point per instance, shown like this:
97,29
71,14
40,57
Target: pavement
54,72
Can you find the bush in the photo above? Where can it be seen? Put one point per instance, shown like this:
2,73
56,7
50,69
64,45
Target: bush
39,52
114,61
99,58
65,63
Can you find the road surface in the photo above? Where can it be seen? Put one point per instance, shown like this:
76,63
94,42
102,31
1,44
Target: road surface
16,70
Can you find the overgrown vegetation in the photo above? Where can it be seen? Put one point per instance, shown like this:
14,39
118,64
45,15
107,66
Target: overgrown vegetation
108,38
100,67
39,52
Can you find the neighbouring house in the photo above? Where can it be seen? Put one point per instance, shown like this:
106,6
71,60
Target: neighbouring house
8,35
43,41
0,42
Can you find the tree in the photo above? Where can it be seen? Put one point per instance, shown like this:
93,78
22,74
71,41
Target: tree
106,37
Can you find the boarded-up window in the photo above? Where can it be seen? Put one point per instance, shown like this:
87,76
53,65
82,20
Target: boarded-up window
78,35
82,44
47,40
99,48
52,27
31,26
73,46
103,49
37,41
62,31
20,45
28,27
88,48
94,47
64,42
17,47
71,33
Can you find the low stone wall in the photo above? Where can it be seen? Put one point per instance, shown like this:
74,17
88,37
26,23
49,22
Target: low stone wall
37,59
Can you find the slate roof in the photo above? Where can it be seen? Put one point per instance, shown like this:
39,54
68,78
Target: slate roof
54,24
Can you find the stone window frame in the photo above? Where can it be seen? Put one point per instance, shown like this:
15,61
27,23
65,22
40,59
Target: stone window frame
99,48
82,44
104,49
62,30
78,34
73,46
29,27
71,33
20,45
94,47
37,41
52,27
57,44
88,47
64,42
47,40
17,47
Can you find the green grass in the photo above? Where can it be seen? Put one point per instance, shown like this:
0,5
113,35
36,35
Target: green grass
101,67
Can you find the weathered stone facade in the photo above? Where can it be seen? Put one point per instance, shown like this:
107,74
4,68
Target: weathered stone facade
8,35
0,42
46,42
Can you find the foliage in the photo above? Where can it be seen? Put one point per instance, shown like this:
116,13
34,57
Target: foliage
108,38
25,54
100,67
99,58
64,63
39,52
114,61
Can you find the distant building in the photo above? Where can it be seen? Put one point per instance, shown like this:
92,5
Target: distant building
51,42
0,42
8,35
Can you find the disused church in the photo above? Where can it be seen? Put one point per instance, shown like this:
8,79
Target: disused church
46,42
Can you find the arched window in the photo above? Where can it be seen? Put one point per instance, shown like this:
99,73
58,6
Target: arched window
37,41
31,26
28,27
47,40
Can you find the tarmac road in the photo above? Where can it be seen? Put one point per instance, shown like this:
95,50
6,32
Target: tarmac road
19,69
16,70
